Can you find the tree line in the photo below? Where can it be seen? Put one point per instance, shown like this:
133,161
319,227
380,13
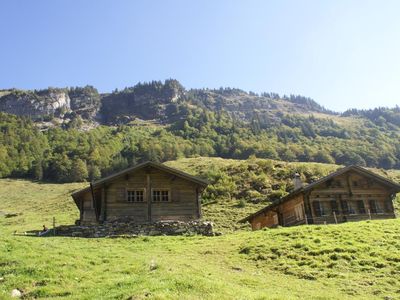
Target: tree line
68,154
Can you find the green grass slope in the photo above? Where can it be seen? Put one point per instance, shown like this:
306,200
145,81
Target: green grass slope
347,261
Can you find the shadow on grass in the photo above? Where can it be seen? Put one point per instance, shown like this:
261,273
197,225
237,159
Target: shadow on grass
36,233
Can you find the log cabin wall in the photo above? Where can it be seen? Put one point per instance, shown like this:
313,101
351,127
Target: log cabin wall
350,197
88,214
182,204
117,205
266,219
289,213
292,211
350,194
183,198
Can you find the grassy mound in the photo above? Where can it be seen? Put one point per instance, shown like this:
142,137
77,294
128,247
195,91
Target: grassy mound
358,257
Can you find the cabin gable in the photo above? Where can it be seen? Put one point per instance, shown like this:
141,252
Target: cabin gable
350,196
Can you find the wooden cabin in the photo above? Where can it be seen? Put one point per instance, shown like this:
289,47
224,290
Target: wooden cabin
349,194
144,193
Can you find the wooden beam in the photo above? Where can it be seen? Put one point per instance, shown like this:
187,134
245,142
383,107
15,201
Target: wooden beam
148,194
198,202
349,185
94,202
307,207
81,209
103,204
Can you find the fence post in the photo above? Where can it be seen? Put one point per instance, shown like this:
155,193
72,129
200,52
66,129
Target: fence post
54,226
334,215
369,214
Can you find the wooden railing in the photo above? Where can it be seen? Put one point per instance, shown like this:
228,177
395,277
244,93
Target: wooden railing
337,218
340,218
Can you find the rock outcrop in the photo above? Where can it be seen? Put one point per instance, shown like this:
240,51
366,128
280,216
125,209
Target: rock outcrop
51,102
156,101
36,104
149,101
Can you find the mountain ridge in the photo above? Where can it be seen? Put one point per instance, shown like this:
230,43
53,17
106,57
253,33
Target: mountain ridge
77,134
157,100
145,100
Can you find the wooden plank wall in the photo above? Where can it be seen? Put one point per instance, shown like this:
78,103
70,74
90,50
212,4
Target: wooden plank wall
88,215
116,202
266,219
351,187
182,205
288,212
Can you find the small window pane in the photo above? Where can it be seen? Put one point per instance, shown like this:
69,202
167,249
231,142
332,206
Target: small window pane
160,195
135,196
361,206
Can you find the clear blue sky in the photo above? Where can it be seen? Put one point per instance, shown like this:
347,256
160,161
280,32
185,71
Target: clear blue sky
341,53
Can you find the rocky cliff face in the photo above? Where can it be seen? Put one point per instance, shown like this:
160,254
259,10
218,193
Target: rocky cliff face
35,104
150,101
162,102
51,102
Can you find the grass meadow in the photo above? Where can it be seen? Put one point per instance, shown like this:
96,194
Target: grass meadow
348,261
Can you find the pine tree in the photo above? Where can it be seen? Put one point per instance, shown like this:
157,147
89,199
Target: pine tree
79,171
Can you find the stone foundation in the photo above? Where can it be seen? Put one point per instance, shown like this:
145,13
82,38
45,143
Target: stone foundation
132,229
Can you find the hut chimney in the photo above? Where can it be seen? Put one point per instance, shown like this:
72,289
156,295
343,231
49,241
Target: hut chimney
297,181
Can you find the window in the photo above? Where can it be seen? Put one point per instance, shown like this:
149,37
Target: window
160,195
275,219
317,208
361,206
338,183
334,207
298,212
355,183
375,207
135,195
345,207
321,208
388,206
351,207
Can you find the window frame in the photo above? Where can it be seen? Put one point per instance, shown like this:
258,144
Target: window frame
334,206
351,209
168,190
377,207
299,212
135,190
344,206
275,219
361,207
316,205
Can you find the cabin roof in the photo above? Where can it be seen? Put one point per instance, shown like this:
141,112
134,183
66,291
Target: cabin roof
358,169
159,166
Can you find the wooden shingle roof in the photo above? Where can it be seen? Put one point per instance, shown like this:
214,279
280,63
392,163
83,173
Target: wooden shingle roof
159,166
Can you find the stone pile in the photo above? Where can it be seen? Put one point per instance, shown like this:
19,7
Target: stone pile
132,229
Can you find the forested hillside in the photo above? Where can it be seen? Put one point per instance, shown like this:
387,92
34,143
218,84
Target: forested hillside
77,134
